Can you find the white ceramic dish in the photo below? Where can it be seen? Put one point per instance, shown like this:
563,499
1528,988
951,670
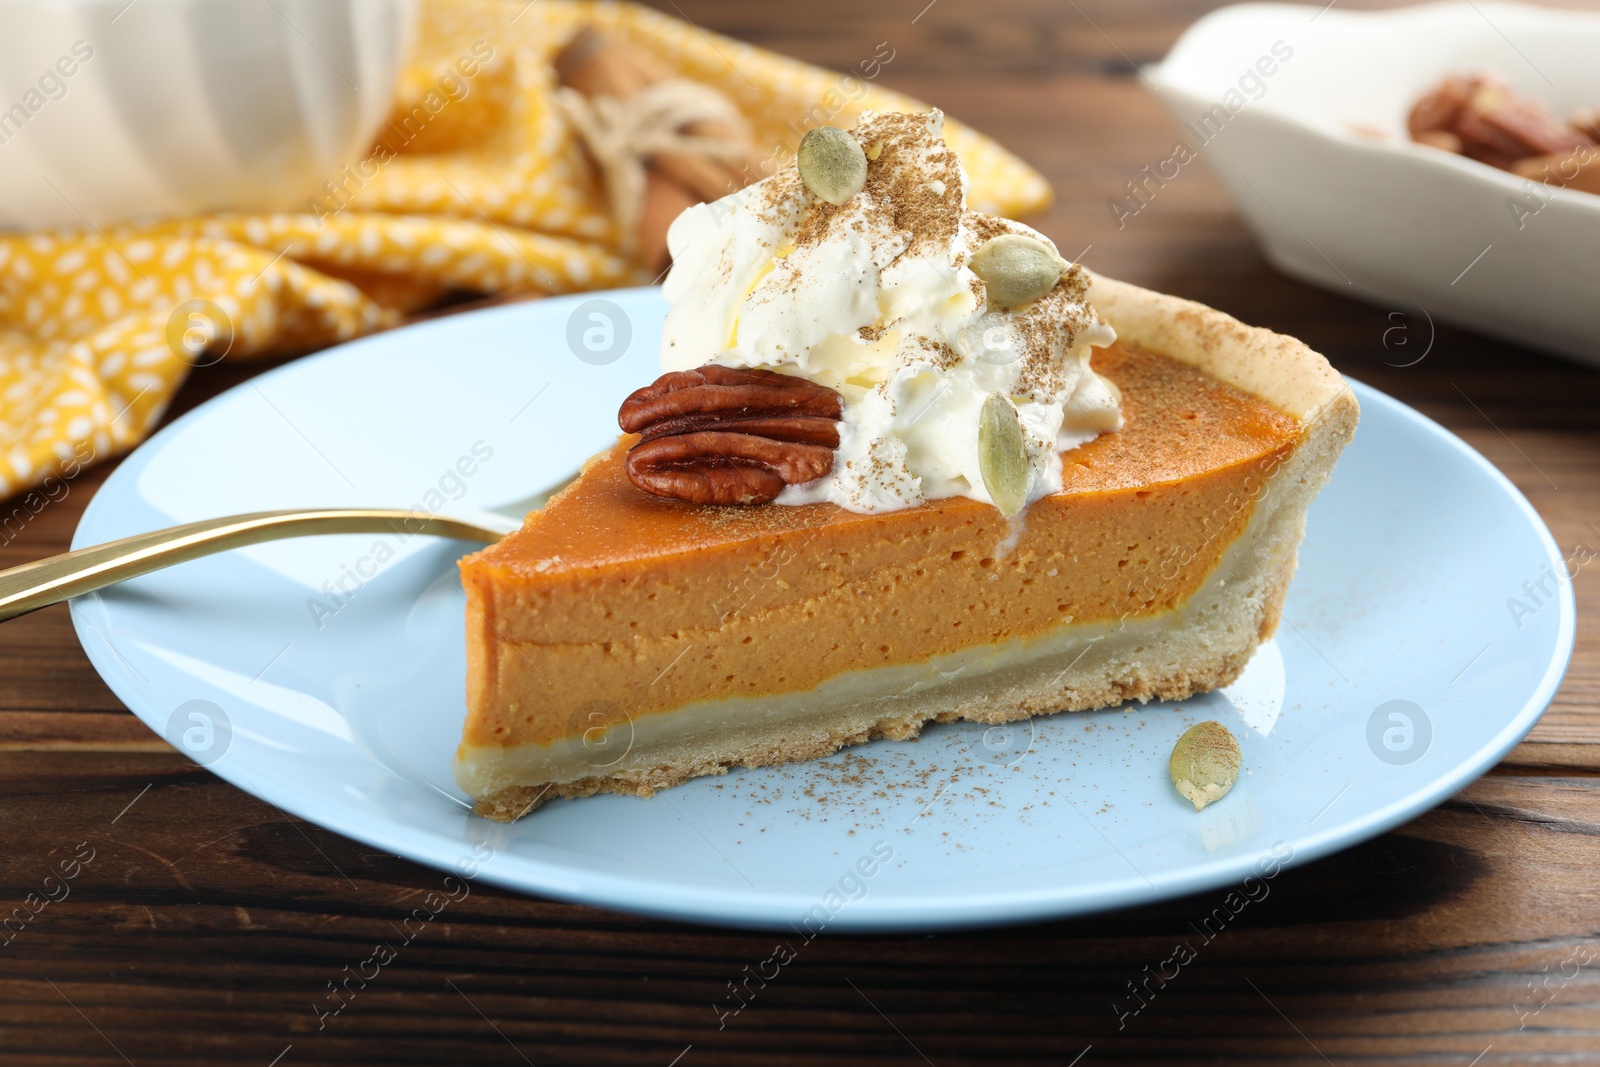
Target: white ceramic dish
113,109
331,685
1376,216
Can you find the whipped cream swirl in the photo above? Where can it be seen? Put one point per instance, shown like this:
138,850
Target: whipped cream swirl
875,299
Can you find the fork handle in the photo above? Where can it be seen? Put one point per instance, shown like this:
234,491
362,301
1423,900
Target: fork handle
49,581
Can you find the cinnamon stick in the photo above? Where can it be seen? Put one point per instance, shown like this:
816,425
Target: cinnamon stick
598,66
665,198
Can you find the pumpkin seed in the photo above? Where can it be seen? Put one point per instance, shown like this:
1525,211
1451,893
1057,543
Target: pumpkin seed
1205,763
1002,455
832,164
1016,269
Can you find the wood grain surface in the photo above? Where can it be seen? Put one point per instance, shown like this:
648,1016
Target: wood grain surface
207,924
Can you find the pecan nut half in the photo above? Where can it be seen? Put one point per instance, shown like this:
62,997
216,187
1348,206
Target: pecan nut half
729,435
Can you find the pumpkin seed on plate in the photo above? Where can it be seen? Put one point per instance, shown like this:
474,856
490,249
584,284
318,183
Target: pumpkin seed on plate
1002,455
1016,269
832,164
1205,763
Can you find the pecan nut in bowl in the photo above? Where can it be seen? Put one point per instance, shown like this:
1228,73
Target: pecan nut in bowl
1502,132
729,435
1480,117
1437,110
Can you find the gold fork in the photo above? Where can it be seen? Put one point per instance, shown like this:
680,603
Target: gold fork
49,581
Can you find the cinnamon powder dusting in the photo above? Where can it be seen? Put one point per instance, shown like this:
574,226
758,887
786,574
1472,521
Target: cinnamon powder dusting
914,187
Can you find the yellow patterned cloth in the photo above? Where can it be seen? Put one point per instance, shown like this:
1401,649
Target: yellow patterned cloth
476,184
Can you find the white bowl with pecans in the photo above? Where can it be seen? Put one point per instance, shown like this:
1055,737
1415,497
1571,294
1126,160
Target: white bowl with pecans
1302,112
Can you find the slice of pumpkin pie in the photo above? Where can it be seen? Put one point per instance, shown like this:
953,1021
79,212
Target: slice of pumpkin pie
905,465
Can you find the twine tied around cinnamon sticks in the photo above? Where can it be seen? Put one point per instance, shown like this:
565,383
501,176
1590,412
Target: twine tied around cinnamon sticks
661,143
623,135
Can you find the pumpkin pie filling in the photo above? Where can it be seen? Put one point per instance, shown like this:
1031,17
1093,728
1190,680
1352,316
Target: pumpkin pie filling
597,597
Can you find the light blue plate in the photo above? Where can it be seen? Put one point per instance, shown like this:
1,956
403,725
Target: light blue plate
1428,628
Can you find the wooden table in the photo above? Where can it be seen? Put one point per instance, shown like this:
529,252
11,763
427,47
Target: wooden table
209,923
